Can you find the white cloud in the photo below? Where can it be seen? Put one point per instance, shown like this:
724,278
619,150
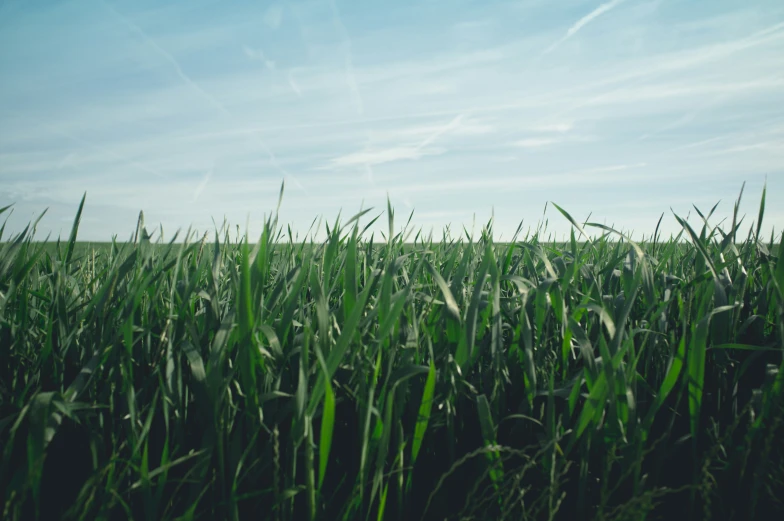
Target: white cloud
393,110
258,55
596,176
387,155
689,58
556,127
652,92
465,127
767,146
535,142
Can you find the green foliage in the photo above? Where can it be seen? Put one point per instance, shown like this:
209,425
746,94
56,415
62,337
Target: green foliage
461,379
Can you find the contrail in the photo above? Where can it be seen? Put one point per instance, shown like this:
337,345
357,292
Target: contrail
104,150
455,123
169,58
351,79
192,84
653,67
685,119
585,20
203,184
66,160
368,165
293,84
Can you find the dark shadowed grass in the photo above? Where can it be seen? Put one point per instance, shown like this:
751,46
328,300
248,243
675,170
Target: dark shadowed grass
218,379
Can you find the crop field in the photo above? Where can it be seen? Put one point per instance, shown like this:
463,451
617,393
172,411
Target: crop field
410,379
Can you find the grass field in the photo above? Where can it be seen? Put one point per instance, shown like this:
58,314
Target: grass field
599,379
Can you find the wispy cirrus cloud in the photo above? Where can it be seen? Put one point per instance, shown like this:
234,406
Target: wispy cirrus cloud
258,55
198,101
202,184
585,20
535,142
556,127
168,57
376,156
351,80
449,127
460,125
213,101
597,176
385,155
273,16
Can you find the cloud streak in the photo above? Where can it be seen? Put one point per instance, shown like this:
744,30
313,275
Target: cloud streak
452,125
585,20
195,86
168,58
536,142
405,105
381,156
351,79
202,184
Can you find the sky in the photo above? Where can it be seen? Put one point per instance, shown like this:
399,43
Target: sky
460,111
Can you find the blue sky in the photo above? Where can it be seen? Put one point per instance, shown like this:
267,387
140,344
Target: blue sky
196,110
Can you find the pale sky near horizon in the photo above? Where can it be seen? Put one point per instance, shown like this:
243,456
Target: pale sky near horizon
197,110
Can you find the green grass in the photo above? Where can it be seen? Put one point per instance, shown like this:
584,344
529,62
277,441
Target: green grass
411,379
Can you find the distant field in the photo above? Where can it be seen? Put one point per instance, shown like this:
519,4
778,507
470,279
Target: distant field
593,379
